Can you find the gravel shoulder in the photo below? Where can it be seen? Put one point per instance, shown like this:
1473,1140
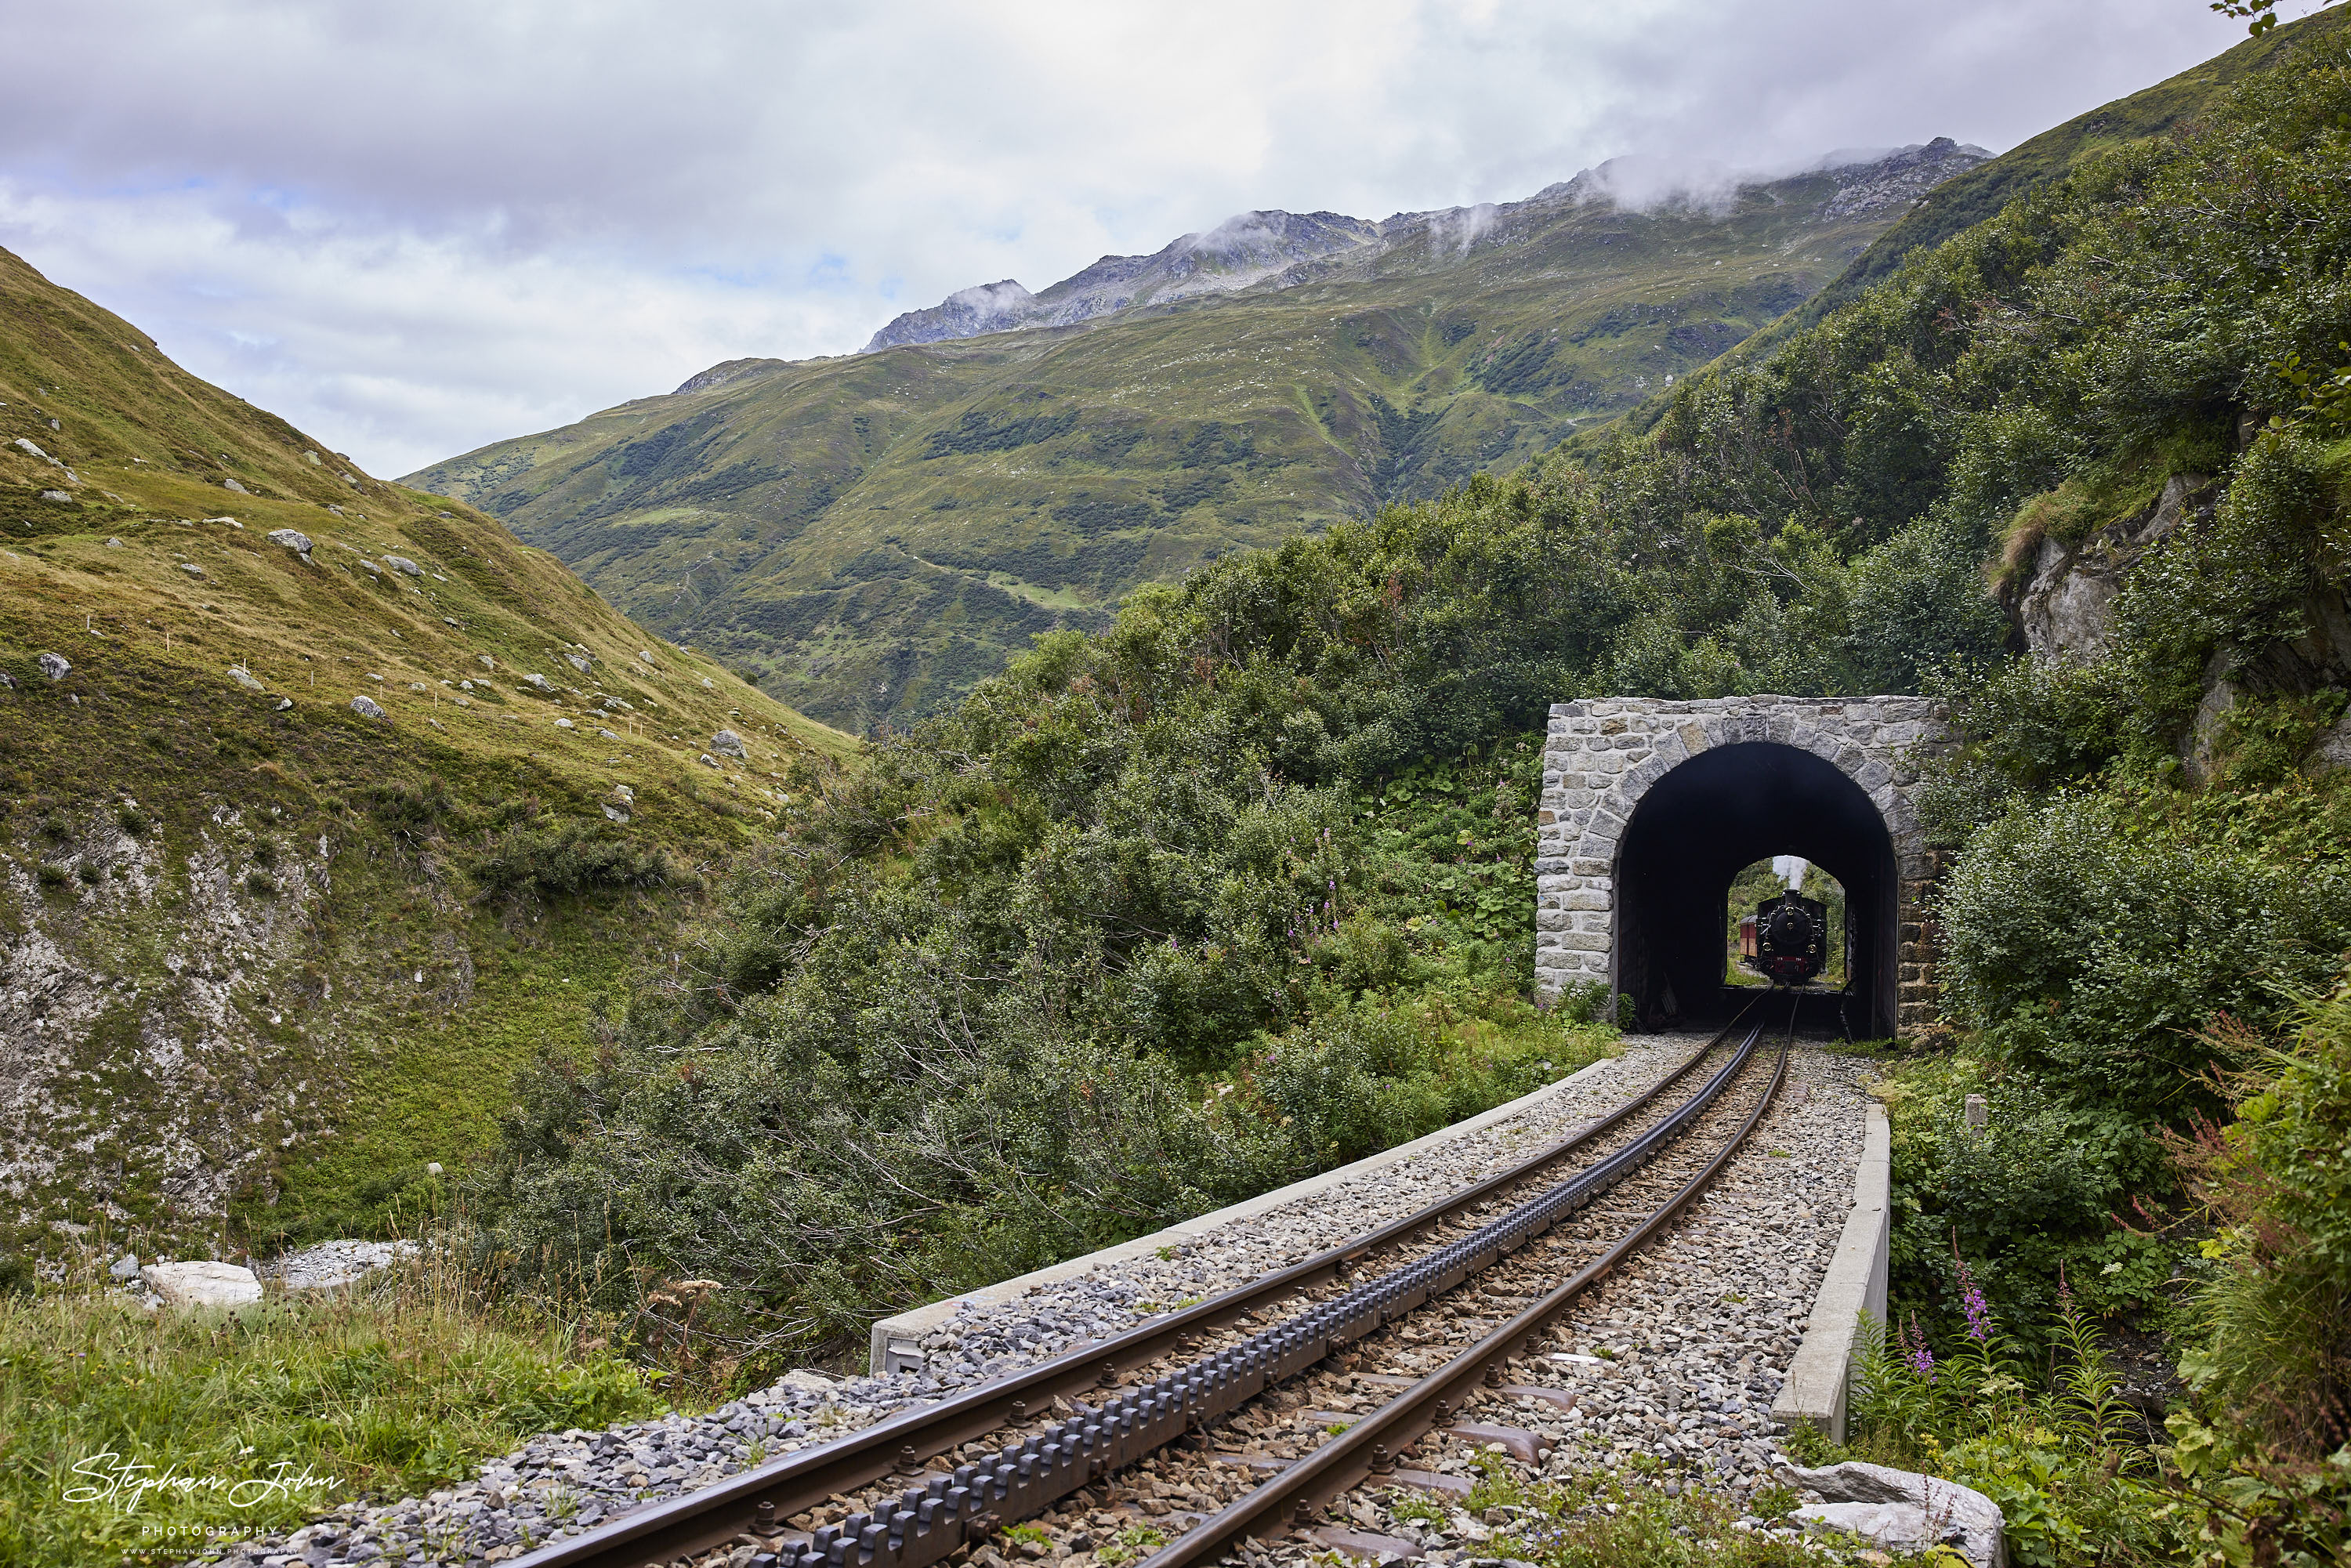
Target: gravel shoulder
1682,1349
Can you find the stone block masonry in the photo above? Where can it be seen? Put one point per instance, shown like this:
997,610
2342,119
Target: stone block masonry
1603,756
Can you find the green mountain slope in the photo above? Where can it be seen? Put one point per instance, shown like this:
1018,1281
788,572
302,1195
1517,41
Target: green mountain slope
866,536
261,944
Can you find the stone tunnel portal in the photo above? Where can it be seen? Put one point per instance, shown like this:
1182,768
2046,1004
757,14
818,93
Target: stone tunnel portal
1689,837
1650,807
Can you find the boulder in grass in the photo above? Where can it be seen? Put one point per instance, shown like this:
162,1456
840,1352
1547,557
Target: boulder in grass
368,708
333,1265
195,1285
1901,1511
401,563
293,539
54,665
727,743
244,678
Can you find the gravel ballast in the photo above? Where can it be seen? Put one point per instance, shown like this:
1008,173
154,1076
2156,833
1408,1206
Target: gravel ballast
1700,1327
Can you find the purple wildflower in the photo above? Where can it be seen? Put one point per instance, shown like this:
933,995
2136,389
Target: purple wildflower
1915,1353
1972,1303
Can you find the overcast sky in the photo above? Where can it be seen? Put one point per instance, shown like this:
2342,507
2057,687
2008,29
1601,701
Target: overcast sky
415,229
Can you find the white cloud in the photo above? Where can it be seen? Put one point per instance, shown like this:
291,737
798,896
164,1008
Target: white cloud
419,229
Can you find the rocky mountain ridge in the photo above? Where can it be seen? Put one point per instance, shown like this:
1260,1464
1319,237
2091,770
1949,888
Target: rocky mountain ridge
1271,249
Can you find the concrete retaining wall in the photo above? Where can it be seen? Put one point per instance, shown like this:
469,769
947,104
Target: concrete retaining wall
1820,1379
896,1344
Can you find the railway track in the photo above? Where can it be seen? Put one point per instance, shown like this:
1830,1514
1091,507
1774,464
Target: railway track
1051,1443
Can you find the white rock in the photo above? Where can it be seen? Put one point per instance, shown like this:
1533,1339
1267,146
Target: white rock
292,539
192,569
125,1268
1900,1511
114,543
366,707
647,657
402,563
232,484
538,682
616,813
578,662
565,724
331,1265
56,496
727,743
54,665
203,1284
244,678
624,795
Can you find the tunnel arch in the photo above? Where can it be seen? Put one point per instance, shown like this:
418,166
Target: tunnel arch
1689,834
1645,802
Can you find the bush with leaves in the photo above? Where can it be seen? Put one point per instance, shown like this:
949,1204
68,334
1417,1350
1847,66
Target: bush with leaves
2091,939
2038,1194
569,858
2276,1180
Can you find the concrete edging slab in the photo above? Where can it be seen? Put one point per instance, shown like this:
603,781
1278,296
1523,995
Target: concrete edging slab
896,1342
1820,1378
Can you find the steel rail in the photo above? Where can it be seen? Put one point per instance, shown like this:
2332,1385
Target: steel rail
1367,1448
898,1445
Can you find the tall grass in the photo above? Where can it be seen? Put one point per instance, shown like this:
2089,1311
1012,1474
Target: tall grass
127,1436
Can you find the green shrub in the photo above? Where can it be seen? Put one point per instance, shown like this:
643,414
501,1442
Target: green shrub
2277,1182
2032,1199
133,820
2091,938
572,858
53,875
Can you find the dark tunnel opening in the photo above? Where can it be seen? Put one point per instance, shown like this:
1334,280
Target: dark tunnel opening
1694,831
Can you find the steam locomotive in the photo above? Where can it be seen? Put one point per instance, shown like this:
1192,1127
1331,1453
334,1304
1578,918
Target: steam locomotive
1787,939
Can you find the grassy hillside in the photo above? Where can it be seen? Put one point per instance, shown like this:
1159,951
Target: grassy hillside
264,948
867,536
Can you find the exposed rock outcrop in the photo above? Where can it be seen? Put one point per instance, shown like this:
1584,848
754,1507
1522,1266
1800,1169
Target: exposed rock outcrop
2065,607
